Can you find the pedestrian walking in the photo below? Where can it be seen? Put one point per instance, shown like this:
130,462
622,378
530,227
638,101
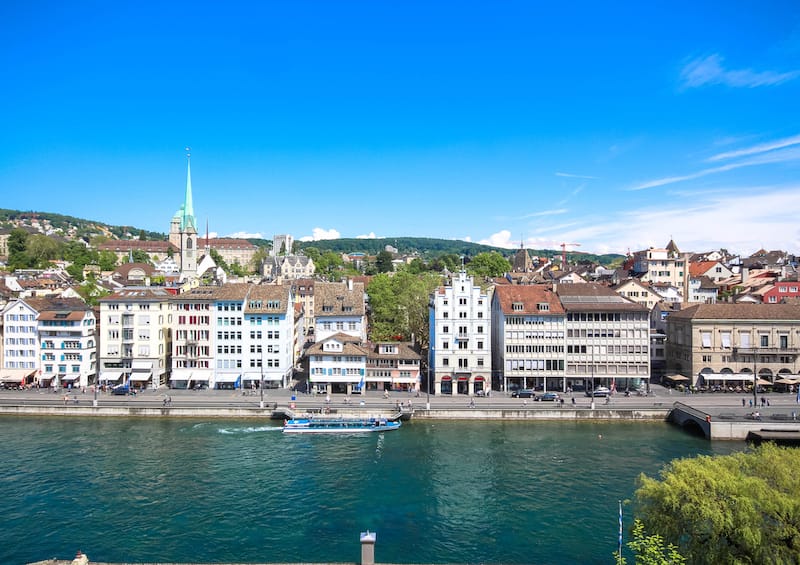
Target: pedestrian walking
743,402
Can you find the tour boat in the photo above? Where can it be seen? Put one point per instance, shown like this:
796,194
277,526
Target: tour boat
338,425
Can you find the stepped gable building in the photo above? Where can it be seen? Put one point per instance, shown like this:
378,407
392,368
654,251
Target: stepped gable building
528,337
135,337
607,338
731,344
460,337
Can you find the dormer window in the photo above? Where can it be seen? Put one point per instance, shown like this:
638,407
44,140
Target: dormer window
517,306
543,307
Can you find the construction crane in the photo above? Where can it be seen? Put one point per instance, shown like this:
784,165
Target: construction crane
564,254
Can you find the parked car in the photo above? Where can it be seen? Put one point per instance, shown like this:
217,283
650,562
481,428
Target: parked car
120,390
549,396
523,393
599,391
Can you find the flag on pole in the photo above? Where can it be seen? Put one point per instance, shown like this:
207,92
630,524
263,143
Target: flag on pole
620,528
361,383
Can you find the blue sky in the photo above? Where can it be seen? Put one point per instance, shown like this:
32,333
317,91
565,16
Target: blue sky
616,125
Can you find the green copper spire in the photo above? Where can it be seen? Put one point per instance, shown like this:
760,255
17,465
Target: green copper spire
187,221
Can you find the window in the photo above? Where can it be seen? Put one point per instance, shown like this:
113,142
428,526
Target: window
726,340
445,362
706,339
764,341
744,340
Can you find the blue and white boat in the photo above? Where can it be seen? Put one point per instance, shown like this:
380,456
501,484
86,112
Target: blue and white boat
339,425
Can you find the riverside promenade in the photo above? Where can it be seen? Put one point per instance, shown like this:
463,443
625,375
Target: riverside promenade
731,414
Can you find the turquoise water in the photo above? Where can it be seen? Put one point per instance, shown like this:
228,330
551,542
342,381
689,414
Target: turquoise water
239,491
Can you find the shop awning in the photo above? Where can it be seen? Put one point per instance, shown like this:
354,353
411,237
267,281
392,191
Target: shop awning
110,376
228,377
200,375
14,375
180,375
676,378
727,376
70,378
141,377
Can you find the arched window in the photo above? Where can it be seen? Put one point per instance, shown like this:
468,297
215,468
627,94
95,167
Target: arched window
188,243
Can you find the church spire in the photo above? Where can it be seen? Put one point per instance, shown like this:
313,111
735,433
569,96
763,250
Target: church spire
187,221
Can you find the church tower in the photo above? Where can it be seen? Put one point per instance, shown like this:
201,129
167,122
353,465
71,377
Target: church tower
183,229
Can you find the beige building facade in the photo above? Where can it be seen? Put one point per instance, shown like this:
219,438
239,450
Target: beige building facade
733,344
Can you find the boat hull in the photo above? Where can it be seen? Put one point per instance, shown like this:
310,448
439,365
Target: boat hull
339,426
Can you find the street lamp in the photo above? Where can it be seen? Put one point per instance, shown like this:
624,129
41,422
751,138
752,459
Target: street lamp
261,385
428,385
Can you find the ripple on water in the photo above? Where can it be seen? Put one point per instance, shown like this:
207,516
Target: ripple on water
173,490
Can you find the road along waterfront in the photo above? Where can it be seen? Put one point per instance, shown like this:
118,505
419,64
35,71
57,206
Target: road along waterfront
215,490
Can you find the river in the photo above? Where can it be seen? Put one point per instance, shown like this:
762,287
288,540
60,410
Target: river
174,490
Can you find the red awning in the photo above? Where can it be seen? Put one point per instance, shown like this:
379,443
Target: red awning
446,379
479,379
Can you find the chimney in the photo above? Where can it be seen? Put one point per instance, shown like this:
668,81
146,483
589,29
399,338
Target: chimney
368,548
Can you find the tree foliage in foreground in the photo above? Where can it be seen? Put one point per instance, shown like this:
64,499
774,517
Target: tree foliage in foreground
650,549
739,508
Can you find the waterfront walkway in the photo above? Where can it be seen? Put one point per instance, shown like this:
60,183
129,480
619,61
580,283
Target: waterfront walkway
729,412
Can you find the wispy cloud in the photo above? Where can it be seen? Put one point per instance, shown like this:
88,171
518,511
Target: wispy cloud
574,176
764,157
761,148
761,216
370,235
709,70
241,235
543,213
319,234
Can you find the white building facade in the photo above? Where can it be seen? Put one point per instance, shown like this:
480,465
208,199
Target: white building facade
460,336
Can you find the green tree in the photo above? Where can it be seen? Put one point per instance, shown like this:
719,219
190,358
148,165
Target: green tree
41,249
449,261
383,306
739,508
75,271
490,264
18,257
383,262
219,261
142,235
417,266
107,260
140,256
650,550
399,305
259,257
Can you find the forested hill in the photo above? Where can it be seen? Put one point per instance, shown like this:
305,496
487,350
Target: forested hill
428,247
72,228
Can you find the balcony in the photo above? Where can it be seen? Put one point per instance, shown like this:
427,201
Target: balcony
766,350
